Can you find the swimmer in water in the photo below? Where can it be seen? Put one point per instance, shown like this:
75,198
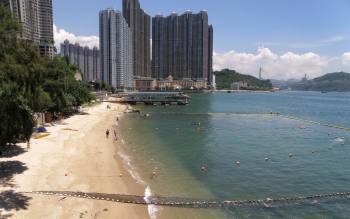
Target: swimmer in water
204,169
154,172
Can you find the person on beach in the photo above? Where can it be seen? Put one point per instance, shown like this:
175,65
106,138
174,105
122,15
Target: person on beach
107,133
115,136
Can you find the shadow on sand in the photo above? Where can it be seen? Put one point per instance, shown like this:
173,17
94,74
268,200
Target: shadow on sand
7,171
11,151
11,200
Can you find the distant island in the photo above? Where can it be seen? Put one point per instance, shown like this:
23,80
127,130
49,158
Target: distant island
337,81
227,79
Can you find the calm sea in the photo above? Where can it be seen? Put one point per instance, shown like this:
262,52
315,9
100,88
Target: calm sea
218,129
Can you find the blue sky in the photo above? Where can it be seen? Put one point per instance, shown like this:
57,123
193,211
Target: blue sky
297,26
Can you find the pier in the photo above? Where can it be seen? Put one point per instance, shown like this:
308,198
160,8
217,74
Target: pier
153,98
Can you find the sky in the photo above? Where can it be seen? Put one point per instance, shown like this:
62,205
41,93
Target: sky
287,38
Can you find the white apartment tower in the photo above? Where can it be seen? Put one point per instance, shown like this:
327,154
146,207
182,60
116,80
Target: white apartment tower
116,50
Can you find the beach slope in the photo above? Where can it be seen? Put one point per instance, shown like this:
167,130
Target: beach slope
76,156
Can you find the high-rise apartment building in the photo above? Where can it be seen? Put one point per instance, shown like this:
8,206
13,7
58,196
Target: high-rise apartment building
116,50
182,46
96,64
210,54
86,59
140,25
36,19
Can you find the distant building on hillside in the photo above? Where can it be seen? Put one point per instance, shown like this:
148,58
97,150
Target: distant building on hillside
86,59
116,50
182,46
239,85
36,19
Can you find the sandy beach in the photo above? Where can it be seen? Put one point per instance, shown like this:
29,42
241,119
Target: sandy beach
76,156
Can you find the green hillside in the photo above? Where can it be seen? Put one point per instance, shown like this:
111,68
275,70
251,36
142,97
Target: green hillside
338,81
226,77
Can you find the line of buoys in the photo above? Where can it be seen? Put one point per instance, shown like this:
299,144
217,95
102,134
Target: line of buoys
335,126
314,122
220,113
182,202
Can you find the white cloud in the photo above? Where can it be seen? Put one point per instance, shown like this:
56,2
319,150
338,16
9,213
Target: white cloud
307,44
60,35
346,59
285,66
275,66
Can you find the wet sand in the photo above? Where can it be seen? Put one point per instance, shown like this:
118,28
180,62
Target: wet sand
76,156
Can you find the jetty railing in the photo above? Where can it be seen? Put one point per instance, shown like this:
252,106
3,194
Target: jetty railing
153,98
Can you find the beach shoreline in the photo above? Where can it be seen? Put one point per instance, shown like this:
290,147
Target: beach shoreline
76,156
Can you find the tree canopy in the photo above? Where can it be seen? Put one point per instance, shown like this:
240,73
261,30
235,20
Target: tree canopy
30,83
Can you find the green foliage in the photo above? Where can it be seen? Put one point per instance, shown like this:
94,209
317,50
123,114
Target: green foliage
15,116
30,83
338,81
62,87
226,77
101,85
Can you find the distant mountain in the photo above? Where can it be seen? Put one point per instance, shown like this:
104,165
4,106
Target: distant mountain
282,84
338,81
226,77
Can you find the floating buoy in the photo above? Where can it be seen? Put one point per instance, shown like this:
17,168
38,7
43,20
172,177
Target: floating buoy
238,163
267,159
290,155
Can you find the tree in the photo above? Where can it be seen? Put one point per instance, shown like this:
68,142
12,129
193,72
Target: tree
15,116
64,90
30,83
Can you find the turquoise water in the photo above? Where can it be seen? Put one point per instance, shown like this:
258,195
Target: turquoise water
172,143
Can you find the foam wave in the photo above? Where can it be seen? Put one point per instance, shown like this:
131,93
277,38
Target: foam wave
152,209
130,168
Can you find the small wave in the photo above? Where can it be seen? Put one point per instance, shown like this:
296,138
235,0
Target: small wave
152,209
130,168
340,139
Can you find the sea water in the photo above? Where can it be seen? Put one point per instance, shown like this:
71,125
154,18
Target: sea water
218,129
